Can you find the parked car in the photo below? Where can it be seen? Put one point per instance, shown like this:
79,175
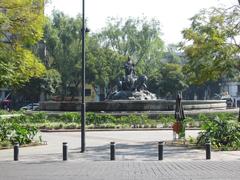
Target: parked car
31,106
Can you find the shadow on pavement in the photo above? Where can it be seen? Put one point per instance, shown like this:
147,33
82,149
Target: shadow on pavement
140,151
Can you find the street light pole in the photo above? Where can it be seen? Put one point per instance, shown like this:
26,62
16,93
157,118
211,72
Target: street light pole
83,105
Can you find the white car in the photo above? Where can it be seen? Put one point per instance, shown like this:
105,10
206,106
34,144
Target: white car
31,106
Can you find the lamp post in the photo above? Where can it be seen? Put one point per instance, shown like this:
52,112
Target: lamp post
83,105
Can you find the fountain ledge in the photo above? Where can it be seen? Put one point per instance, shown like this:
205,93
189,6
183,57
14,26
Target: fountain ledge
132,105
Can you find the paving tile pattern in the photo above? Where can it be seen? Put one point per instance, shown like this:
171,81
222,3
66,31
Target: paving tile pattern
120,170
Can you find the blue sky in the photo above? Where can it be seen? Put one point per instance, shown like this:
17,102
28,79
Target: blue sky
173,14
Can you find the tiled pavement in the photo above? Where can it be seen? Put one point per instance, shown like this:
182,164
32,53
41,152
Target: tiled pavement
120,170
136,158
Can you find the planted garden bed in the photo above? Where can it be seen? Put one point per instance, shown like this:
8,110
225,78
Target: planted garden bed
222,129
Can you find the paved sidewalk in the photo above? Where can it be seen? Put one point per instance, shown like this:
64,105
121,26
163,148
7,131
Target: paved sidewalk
120,170
136,158
132,145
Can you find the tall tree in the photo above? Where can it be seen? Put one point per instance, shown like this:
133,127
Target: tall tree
21,25
63,42
212,45
168,80
106,64
135,37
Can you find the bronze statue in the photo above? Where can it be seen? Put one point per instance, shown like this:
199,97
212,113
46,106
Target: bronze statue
129,67
131,86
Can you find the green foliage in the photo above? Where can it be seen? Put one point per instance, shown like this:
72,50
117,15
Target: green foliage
51,81
107,51
39,117
222,131
105,64
71,126
14,131
63,41
167,121
2,112
103,118
169,78
212,45
70,117
21,25
135,37
189,121
172,79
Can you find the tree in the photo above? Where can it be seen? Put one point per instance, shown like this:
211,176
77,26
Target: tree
63,42
212,45
135,37
168,81
50,82
21,26
106,66
173,55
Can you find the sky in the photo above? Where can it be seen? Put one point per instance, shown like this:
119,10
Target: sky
173,15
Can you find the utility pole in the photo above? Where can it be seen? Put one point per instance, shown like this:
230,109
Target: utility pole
83,105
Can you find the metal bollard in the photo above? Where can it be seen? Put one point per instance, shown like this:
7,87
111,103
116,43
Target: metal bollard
112,151
15,151
208,150
160,150
65,151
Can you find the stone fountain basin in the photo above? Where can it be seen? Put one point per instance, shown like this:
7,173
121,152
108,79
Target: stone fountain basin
132,105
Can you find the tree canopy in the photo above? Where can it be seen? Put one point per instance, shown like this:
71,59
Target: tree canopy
107,50
21,25
212,45
138,38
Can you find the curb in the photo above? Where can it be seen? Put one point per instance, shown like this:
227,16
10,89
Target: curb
127,129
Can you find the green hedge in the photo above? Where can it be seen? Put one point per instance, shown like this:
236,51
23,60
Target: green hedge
17,130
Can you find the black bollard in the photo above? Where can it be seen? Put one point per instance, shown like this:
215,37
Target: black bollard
65,149
15,151
112,151
160,150
208,150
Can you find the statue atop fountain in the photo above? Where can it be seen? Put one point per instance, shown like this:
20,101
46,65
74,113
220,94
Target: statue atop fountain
131,87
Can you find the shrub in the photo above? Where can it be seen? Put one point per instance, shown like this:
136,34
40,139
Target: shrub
71,126
2,112
14,131
90,126
39,117
224,133
104,118
90,119
70,117
167,120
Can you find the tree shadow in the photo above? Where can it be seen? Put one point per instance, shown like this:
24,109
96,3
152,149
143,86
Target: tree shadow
139,151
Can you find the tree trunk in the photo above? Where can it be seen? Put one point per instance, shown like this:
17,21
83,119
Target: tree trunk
42,96
102,93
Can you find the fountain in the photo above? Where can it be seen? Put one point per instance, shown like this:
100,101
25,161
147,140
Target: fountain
131,87
132,95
